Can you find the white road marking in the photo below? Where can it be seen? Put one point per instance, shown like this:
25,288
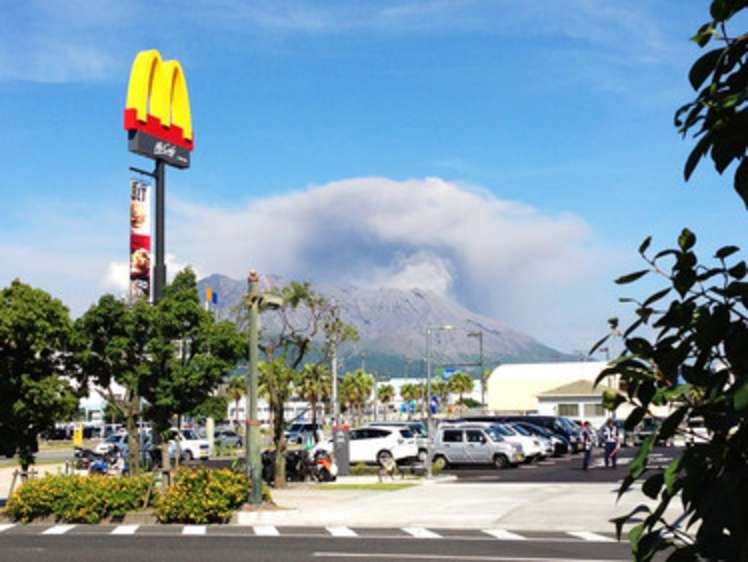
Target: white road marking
194,530
342,532
6,526
593,537
421,533
504,535
266,531
404,556
125,530
58,530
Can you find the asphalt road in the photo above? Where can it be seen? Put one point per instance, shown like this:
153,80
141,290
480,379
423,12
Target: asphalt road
232,544
563,469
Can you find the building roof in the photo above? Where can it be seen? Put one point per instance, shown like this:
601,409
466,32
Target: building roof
577,388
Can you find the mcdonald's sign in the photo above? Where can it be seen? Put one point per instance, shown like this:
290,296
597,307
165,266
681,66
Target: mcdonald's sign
157,112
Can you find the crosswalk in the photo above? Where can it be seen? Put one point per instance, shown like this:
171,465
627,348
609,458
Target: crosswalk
342,532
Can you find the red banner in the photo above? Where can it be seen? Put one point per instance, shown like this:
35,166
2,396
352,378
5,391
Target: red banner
140,240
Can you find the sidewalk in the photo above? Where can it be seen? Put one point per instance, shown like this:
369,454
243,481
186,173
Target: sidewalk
548,507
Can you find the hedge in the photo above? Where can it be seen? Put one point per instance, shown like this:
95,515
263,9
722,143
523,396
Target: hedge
204,496
78,499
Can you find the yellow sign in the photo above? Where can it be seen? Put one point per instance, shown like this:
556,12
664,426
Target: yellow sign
157,100
78,435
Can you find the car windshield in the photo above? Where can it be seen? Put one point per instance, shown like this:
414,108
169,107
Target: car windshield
407,433
502,430
537,430
296,427
494,433
112,439
418,429
521,430
189,434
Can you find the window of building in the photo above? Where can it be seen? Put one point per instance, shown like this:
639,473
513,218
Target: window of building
568,410
594,411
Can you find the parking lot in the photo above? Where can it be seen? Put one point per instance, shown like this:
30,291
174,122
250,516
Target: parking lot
562,469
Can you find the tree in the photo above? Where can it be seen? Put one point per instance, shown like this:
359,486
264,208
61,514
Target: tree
386,394
111,343
212,407
35,332
408,392
355,390
440,389
460,383
687,348
234,391
313,386
189,354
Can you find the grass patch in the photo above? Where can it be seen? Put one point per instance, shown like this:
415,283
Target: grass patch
373,487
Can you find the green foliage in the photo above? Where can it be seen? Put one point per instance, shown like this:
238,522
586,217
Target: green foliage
356,390
215,407
697,364
35,333
204,496
386,393
189,352
719,114
78,499
460,383
359,469
437,466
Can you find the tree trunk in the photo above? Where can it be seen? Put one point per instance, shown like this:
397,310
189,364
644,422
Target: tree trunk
177,459
133,435
313,402
280,448
384,410
236,416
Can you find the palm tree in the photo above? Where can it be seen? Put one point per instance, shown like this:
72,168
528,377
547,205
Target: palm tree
408,392
460,383
355,390
234,392
385,394
313,386
440,389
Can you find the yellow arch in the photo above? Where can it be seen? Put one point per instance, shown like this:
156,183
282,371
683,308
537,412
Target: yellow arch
165,84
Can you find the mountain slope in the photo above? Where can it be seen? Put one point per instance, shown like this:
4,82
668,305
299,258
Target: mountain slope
392,323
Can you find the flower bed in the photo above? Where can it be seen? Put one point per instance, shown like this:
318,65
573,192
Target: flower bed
78,499
204,496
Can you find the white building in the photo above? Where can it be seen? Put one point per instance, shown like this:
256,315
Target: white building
575,400
515,388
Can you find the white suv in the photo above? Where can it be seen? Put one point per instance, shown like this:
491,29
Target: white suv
191,446
378,444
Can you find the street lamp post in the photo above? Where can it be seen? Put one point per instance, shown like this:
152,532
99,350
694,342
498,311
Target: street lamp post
257,302
479,334
430,456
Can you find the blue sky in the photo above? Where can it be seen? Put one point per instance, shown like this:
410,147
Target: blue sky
549,121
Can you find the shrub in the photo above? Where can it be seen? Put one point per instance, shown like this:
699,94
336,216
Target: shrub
359,469
78,499
204,496
437,466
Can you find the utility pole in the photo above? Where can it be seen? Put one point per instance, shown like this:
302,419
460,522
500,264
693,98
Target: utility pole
334,371
253,458
479,335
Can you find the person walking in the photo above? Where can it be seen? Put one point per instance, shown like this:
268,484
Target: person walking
587,444
611,441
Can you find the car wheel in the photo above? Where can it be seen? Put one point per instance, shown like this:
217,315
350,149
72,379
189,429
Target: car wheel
423,455
441,459
384,457
500,461
188,456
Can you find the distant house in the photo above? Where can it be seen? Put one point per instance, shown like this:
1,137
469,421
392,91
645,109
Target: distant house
576,400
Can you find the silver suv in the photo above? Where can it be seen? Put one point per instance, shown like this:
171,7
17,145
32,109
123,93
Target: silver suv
467,444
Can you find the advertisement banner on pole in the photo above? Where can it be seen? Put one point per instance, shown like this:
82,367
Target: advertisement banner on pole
140,240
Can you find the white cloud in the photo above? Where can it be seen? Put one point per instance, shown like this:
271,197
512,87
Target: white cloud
116,277
523,266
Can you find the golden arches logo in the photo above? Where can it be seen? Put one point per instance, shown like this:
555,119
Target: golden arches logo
157,100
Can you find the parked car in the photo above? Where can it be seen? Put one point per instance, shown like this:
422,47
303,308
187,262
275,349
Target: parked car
531,447
191,446
560,444
380,444
554,424
545,443
475,444
298,432
419,430
227,438
117,440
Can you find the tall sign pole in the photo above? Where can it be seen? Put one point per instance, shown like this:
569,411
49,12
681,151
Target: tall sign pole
158,121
